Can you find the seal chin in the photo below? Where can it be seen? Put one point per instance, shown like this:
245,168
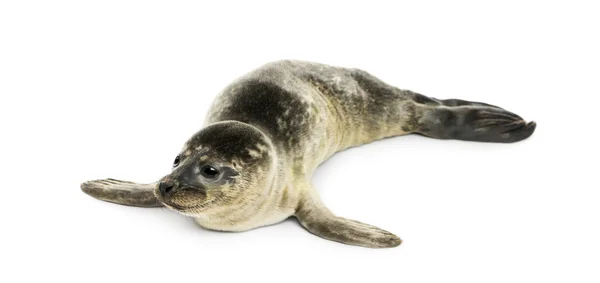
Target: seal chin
191,211
172,206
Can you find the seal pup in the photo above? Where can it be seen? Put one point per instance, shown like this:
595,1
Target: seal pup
267,132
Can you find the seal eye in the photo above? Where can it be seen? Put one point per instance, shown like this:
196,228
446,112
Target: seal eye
176,162
209,172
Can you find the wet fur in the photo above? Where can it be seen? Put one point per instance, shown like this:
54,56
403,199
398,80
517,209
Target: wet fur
275,125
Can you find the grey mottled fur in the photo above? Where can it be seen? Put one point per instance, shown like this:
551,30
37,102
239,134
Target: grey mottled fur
269,130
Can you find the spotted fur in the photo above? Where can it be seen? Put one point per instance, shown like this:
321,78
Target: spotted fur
270,129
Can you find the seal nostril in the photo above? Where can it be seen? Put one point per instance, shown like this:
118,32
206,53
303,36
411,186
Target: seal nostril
166,187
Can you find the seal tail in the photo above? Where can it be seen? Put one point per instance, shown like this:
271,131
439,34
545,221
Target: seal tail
470,121
122,192
436,118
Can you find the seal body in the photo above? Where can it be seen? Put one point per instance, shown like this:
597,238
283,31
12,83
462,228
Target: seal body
275,125
309,111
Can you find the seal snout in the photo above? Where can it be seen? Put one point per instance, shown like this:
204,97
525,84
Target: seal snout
166,186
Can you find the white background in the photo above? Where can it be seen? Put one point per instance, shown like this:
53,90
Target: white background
113,88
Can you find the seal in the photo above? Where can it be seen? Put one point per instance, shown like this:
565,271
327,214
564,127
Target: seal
266,133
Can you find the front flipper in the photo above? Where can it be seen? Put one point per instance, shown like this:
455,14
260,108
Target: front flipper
317,219
122,192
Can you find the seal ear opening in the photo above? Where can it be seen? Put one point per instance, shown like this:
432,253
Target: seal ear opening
122,192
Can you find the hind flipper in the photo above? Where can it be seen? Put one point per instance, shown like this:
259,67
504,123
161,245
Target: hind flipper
460,102
472,123
422,99
122,192
318,220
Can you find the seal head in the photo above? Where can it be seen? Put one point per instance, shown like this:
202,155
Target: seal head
224,166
